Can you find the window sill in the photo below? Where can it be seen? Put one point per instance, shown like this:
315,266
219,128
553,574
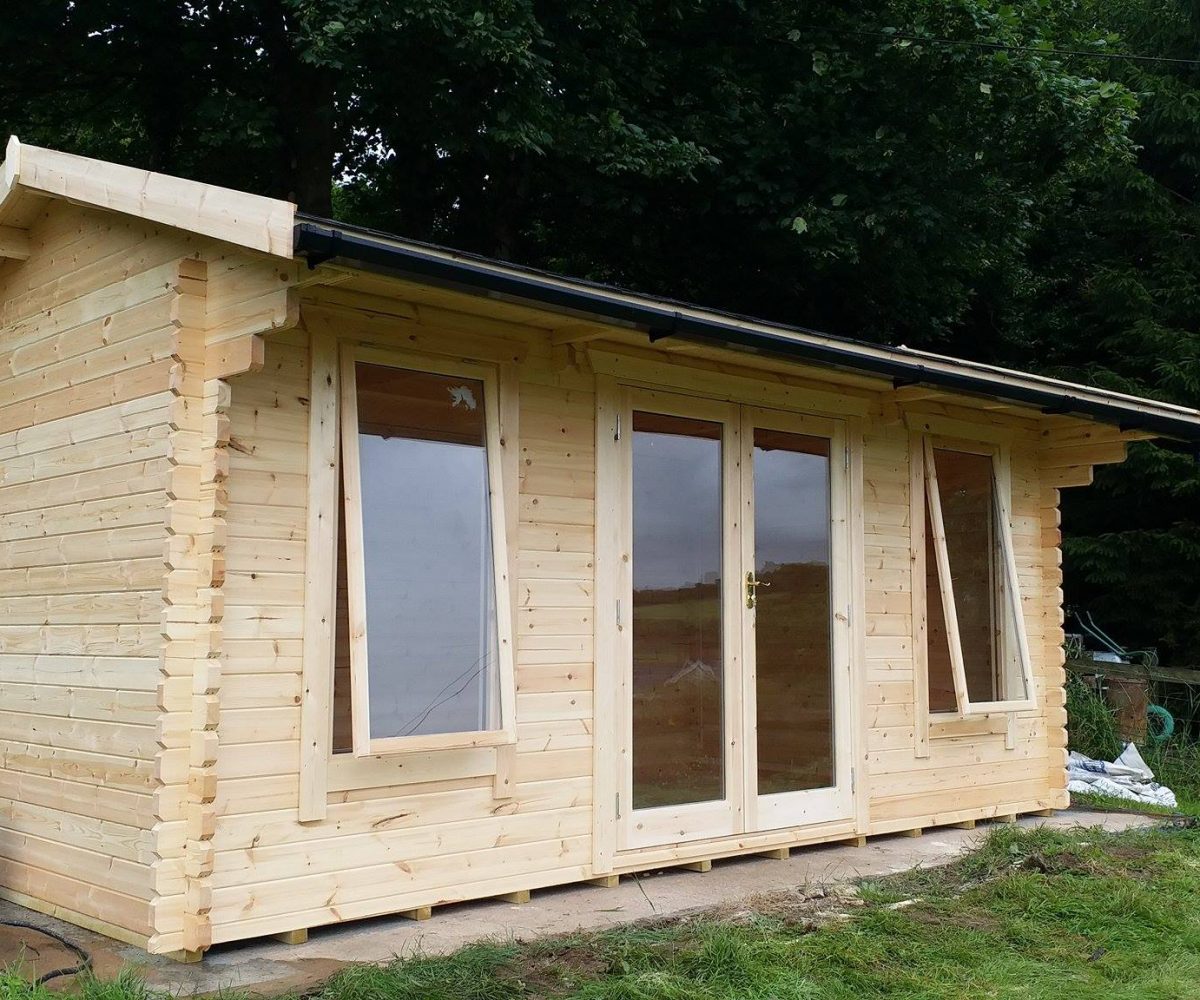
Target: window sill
438,741
949,725
349,773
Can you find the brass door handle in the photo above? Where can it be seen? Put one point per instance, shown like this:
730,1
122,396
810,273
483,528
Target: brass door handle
752,585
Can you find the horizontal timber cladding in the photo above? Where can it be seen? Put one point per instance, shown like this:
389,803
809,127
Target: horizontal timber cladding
164,431
925,770
387,842
431,828
93,369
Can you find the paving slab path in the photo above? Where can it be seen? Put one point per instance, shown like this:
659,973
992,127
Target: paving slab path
268,967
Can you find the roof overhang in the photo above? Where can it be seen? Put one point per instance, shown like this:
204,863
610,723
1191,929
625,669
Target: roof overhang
321,241
31,174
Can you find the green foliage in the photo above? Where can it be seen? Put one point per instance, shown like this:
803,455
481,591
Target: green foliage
1092,729
1091,725
469,974
15,984
869,169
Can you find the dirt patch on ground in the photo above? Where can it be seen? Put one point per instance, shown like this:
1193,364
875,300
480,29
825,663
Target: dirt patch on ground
1118,859
35,954
804,907
974,920
553,968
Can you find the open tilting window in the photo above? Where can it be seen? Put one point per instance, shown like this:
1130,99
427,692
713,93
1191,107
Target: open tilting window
427,626
978,653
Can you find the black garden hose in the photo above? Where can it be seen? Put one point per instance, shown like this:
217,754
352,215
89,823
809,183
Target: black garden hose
85,959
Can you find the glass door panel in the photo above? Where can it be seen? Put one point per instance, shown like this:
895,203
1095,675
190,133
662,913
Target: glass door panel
795,553
682,629
732,622
792,635
678,662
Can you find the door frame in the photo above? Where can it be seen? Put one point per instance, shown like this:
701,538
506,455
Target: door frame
612,486
818,805
652,827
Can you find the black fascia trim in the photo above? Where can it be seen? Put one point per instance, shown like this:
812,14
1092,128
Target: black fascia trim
321,243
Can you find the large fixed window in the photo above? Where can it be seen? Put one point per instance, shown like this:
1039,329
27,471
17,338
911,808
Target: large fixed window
977,651
427,626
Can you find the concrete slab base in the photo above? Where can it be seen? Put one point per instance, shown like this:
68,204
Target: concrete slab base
269,966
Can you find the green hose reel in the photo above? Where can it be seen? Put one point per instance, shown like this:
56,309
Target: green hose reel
1160,724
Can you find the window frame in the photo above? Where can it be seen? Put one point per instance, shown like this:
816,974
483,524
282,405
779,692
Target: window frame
363,744
1013,634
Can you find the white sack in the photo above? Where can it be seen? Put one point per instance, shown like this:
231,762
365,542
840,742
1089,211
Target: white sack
1128,777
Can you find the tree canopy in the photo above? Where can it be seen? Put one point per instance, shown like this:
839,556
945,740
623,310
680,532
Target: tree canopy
1002,181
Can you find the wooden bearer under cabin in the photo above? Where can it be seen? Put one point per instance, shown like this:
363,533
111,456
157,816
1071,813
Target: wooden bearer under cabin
342,575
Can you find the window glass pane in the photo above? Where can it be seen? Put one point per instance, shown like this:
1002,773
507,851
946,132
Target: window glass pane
432,646
968,512
793,646
678,670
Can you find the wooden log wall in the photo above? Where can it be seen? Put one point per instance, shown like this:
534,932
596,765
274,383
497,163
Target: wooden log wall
153,516
926,772
407,840
96,439
441,834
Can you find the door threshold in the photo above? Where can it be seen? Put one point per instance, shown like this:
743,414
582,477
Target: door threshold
639,859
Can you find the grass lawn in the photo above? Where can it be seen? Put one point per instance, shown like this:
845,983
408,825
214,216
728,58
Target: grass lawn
1067,915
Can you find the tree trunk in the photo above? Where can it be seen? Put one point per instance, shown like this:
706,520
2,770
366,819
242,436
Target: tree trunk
305,111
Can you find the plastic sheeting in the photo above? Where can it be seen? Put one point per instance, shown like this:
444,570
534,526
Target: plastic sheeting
1128,777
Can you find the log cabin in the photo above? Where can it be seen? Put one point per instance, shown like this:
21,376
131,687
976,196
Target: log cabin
343,575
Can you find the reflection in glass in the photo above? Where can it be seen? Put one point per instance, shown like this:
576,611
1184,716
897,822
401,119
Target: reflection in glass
677,629
792,641
432,647
968,512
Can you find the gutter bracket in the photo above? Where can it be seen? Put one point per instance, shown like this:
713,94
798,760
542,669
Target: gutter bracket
1066,406
659,332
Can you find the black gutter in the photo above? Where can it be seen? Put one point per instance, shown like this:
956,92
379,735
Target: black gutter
321,243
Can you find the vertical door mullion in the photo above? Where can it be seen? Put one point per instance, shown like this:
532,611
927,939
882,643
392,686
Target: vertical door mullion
624,642
842,611
732,510
747,683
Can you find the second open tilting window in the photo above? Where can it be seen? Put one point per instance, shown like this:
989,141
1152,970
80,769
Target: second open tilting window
978,656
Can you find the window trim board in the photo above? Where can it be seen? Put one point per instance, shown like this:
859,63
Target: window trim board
1008,582
364,745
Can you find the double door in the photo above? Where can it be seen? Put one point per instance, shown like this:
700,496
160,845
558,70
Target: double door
732,619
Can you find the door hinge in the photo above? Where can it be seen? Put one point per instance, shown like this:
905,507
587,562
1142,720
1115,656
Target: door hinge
618,805
853,781
618,613
617,432
846,458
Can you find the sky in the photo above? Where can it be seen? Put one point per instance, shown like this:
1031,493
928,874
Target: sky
677,508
